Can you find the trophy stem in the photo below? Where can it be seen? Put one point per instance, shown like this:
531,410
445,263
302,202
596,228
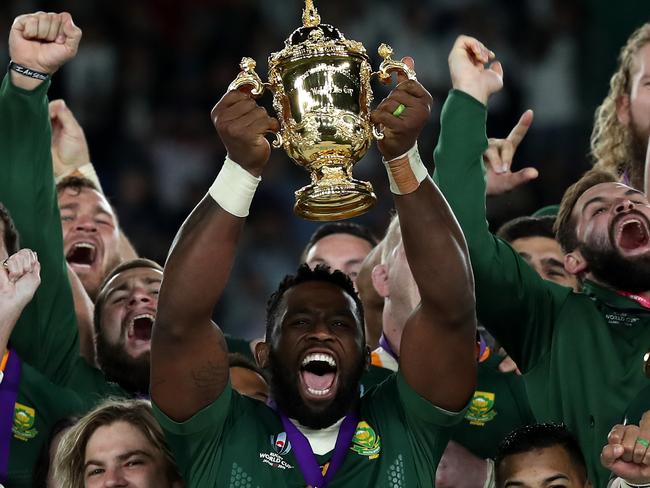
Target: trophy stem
333,194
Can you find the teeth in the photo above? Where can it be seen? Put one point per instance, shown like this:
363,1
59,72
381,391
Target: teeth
319,392
87,245
143,316
326,358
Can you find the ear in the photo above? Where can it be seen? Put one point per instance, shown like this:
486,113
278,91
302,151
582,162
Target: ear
380,280
368,358
575,263
623,110
262,354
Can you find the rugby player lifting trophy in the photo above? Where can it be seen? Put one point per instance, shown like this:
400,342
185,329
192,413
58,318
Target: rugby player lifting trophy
321,91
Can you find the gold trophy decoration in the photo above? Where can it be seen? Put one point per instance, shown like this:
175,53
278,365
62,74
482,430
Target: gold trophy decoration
321,92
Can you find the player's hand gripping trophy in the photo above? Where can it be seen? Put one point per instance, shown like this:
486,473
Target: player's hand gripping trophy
321,92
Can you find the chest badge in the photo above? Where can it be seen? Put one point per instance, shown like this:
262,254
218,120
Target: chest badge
365,441
481,410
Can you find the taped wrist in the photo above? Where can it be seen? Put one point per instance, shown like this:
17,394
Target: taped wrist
86,171
406,172
234,188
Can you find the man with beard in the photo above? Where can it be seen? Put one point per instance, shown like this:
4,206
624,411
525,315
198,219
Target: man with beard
316,431
579,352
619,139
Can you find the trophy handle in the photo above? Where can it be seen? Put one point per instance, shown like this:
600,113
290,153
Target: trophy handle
386,68
247,77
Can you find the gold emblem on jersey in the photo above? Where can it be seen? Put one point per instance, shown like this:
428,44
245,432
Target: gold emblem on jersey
365,441
24,420
481,409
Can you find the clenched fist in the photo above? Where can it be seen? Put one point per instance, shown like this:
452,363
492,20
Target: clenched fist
42,42
470,71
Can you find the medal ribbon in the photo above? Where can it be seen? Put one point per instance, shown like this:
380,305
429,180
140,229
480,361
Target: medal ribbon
383,342
643,301
305,455
8,395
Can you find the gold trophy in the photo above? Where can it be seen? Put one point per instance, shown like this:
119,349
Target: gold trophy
321,92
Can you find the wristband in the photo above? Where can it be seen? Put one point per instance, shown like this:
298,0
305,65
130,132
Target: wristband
234,188
86,171
406,172
489,479
25,71
627,484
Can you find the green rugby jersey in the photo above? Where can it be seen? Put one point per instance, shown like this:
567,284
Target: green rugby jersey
46,336
39,406
232,443
498,407
580,353
638,406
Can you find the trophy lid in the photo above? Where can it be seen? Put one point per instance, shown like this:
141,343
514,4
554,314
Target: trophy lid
314,38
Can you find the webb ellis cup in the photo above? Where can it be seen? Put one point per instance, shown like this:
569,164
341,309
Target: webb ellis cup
321,92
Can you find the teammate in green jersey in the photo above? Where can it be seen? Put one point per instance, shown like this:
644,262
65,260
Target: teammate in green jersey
314,346
579,352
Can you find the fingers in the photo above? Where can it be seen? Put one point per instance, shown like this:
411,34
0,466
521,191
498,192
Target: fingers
60,111
408,61
474,48
21,263
69,33
519,131
610,454
628,441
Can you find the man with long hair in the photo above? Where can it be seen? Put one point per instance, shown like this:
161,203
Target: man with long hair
621,130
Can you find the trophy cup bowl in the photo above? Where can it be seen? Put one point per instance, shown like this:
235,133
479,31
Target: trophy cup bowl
321,94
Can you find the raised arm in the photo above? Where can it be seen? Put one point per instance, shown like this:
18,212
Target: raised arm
512,301
437,351
46,334
189,362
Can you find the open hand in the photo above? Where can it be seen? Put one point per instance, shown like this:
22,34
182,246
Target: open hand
467,65
498,159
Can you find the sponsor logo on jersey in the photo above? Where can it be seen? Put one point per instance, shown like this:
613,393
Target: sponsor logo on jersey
481,409
365,441
281,444
24,420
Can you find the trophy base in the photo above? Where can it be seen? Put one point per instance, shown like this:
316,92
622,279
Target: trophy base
329,201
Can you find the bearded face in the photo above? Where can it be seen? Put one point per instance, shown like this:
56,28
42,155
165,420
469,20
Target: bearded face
621,258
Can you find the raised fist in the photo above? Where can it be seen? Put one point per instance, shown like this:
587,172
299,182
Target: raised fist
69,146
19,279
43,41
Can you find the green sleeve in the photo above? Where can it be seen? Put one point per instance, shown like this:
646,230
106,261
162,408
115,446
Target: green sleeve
46,335
639,406
513,302
195,443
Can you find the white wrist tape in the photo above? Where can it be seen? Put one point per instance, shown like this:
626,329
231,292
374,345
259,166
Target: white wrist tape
86,171
234,188
627,484
489,479
406,172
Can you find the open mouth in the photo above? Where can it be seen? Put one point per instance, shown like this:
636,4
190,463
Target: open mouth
319,372
82,254
632,235
141,326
